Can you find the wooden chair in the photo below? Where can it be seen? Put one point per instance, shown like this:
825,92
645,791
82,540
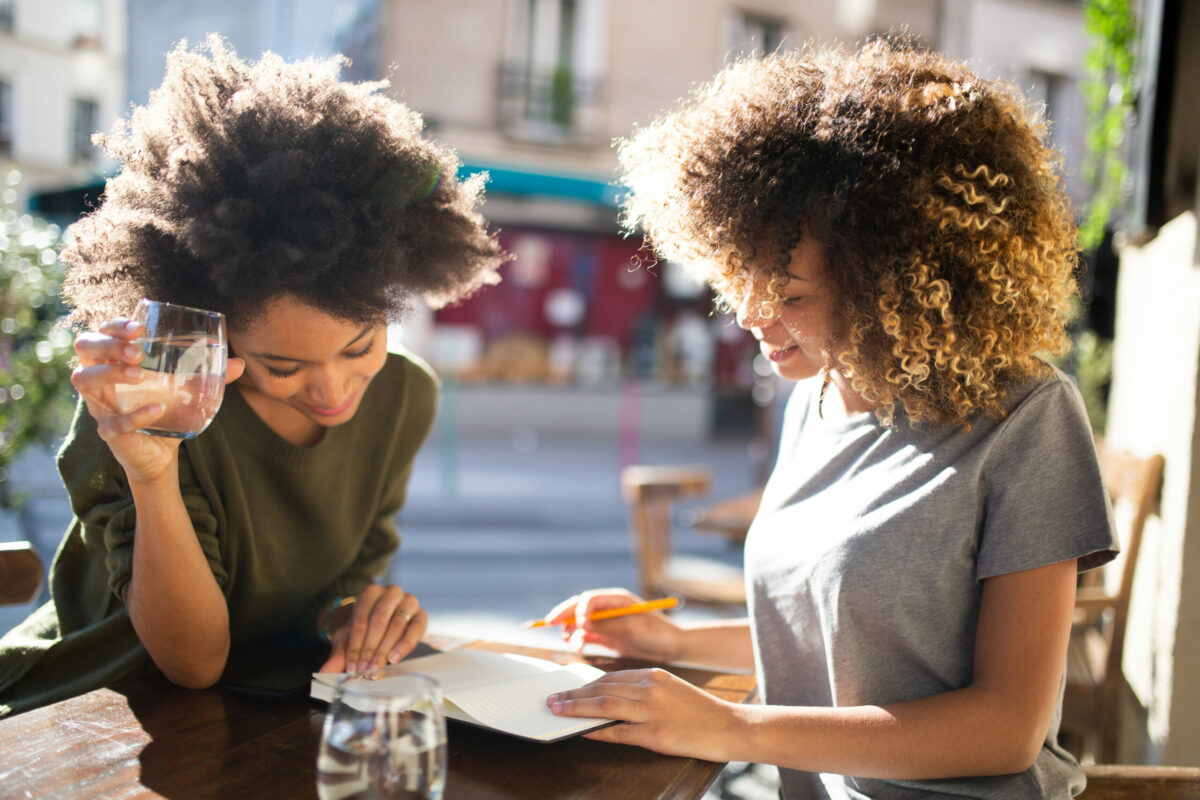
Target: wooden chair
20,573
652,493
1129,782
1095,681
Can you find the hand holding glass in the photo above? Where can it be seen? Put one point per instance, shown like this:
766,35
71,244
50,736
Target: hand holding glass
183,368
384,736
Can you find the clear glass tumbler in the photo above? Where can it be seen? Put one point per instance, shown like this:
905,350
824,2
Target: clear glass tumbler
384,736
183,368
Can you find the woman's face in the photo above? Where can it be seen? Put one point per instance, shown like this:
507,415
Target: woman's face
793,337
305,370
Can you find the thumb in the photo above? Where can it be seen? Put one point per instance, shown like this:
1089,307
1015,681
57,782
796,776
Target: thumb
335,663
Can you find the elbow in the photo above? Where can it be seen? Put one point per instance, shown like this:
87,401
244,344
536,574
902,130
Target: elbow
196,672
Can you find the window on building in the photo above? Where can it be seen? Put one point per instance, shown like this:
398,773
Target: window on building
753,34
6,117
84,119
1063,100
547,85
86,20
6,14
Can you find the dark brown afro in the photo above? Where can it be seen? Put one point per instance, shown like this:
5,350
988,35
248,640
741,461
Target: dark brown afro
244,181
948,234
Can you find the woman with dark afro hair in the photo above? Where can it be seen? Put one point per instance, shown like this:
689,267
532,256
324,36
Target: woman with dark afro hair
309,211
893,230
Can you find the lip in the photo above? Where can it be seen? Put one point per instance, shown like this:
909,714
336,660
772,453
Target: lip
777,354
322,411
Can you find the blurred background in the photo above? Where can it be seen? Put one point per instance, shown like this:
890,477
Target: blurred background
585,360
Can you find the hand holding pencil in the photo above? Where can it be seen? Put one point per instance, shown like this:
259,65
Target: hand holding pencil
610,613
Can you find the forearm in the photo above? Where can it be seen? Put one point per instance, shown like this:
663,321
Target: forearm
960,733
724,643
174,601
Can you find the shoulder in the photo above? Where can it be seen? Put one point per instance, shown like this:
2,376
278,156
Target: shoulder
1054,394
405,389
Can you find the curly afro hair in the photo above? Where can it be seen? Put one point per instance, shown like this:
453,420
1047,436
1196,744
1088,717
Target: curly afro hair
244,181
949,239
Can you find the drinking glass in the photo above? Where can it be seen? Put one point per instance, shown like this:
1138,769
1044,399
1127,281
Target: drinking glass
384,736
183,368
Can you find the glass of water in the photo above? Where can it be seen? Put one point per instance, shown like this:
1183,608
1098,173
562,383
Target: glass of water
384,736
183,368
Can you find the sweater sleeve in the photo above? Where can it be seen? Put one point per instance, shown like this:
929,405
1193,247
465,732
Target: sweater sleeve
102,502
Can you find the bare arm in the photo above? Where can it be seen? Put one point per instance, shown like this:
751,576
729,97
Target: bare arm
996,725
173,599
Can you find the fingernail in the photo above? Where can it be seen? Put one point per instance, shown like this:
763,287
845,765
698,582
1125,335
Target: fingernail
133,372
393,656
131,351
131,326
555,705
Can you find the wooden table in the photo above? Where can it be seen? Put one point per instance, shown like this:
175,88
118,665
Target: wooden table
150,738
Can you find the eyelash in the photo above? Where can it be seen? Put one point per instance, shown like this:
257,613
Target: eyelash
791,301
279,373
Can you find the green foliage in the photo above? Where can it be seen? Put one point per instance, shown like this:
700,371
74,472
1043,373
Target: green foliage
35,352
1093,374
562,96
1109,94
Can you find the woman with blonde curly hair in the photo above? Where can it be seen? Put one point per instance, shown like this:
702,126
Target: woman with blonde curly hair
893,230
309,211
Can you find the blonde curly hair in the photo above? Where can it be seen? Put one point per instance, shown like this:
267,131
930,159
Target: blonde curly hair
949,239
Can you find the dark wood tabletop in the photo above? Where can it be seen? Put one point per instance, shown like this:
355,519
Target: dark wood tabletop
149,738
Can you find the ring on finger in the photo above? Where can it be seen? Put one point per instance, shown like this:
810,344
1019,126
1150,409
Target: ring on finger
407,616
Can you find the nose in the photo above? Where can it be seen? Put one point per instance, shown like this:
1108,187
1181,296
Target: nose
328,387
755,310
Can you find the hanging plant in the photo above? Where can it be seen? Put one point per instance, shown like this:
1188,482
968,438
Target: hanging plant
1108,93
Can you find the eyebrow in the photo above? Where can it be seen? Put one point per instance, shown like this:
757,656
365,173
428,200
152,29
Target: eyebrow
273,357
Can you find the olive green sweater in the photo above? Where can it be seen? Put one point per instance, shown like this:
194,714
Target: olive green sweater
285,530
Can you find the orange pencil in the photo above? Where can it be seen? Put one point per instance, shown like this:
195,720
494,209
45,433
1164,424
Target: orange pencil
609,613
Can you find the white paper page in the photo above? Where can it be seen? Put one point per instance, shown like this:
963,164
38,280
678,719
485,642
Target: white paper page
457,669
519,705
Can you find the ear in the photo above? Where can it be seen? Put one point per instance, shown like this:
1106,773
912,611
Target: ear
234,368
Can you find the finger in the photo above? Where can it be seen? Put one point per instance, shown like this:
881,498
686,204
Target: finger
562,612
604,706
114,426
335,663
94,346
122,328
598,600
234,368
359,620
97,377
383,616
395,628
411,638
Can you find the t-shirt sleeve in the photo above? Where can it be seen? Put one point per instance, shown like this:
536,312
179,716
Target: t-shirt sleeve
101,501
1045,497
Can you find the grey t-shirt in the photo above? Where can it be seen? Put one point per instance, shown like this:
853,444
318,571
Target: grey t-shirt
864,566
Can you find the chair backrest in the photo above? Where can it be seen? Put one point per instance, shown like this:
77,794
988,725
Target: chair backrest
1137,482
1135,782
20,573
651,492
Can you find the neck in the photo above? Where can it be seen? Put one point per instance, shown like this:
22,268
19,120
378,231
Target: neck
840,400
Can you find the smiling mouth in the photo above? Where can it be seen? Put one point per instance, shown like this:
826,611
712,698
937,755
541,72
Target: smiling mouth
333,412
780,353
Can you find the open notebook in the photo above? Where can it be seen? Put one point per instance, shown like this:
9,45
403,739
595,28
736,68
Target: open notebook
502,691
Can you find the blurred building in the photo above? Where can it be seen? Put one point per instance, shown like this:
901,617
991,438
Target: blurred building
535,91
585,328
62,78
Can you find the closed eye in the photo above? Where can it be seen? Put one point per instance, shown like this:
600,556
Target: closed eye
359,354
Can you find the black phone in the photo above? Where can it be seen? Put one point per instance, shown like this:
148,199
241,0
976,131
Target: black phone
288,680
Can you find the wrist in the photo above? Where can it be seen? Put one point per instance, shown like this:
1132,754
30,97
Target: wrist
332,617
